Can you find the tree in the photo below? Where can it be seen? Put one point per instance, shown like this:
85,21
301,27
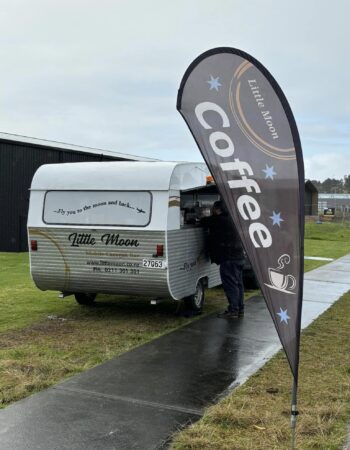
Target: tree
347,183
332,186
317,184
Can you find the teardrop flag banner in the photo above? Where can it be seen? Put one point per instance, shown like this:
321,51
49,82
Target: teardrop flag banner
246,132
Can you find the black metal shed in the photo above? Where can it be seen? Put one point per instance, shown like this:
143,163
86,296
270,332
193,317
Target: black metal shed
20,157
311,199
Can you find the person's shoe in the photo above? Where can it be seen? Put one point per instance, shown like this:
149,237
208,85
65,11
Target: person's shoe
228,315
241,313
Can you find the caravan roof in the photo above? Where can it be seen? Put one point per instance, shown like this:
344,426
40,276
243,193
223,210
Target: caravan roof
120,175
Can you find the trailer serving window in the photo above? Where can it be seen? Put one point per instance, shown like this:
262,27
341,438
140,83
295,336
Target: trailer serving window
197,203
122,208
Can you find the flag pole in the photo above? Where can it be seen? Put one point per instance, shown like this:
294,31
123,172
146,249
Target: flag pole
294,412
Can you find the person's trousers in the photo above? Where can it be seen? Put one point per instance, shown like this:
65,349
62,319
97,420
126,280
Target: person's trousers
231,273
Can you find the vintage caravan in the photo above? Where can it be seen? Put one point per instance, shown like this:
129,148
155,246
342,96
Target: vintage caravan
121,228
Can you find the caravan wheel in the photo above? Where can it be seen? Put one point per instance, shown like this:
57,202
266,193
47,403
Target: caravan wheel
85,299
195,302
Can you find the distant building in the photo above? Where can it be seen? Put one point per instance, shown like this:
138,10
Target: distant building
20,157
341,202
311,199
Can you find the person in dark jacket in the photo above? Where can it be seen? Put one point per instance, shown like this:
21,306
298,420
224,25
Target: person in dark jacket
225,249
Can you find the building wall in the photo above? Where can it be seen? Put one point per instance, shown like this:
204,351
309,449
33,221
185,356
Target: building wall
311,199
314,204
341,202
18,163
308,202
311,203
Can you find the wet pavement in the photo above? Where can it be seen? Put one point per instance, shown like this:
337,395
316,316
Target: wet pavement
137,400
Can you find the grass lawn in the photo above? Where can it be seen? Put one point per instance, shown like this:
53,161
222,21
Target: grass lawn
330,240
44,339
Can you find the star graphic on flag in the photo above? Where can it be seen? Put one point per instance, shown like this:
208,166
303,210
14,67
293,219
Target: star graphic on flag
276,219
269,172
283,315
214,83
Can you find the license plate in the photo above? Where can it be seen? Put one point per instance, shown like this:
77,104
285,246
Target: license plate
154,264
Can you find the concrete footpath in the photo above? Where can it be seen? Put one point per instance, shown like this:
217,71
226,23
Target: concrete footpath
137,400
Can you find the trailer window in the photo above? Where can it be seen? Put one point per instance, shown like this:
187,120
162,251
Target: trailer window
196,204
132,209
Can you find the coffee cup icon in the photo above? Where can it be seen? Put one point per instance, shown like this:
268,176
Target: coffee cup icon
281,281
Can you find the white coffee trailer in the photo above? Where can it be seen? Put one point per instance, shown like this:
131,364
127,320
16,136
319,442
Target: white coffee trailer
121,228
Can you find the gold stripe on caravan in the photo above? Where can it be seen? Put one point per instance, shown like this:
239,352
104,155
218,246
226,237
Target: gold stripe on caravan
97,268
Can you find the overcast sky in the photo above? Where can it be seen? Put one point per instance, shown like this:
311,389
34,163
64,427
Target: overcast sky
105,73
